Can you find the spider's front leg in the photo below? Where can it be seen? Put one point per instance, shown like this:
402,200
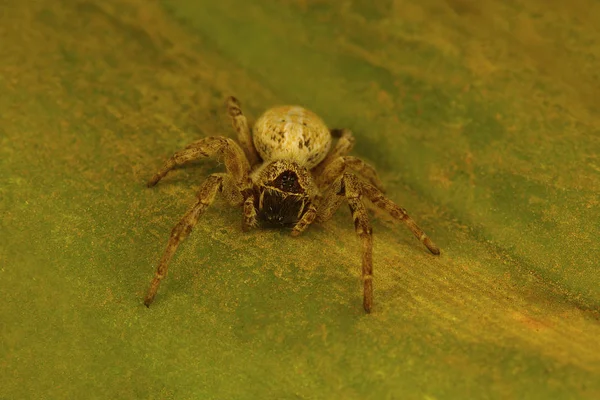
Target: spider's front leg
237,166
373,191
363,229
349,187
235,160
206,196
236,187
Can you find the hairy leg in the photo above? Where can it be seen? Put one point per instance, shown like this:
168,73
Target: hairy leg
344,144
206,196
331,200
398,213
337,167
249,220
240,124
231,153
307,219
342,147
363,229
347,187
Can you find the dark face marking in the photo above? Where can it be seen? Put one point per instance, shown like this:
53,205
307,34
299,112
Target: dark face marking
280,209
287,182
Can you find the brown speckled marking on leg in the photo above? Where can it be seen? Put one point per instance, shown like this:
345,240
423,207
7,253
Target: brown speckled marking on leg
365,170
364,231
206,196
230,191
249,218
331,200
240,124
307,219
338,166
399,213
233,156
348,187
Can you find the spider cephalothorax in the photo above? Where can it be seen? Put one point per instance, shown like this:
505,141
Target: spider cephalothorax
285,175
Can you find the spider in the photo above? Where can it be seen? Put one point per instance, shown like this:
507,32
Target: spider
286,174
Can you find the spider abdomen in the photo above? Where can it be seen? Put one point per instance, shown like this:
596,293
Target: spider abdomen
292,133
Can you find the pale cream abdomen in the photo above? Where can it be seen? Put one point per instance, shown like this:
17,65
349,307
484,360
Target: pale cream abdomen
292,133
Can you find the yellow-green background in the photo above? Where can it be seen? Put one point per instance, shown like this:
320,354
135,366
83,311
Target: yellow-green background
482,117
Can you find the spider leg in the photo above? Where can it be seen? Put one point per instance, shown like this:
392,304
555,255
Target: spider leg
328,204
399,213
338,166
348,187
342,147
240,124
249,220
331,200
206,196
363,229
307,219
233,156
336,162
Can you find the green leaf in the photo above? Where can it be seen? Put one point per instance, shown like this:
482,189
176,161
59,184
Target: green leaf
481,118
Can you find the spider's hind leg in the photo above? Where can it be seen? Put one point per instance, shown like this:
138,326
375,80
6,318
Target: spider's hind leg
342,147
240,124
206,196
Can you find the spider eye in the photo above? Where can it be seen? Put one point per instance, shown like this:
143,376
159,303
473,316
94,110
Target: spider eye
288,182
